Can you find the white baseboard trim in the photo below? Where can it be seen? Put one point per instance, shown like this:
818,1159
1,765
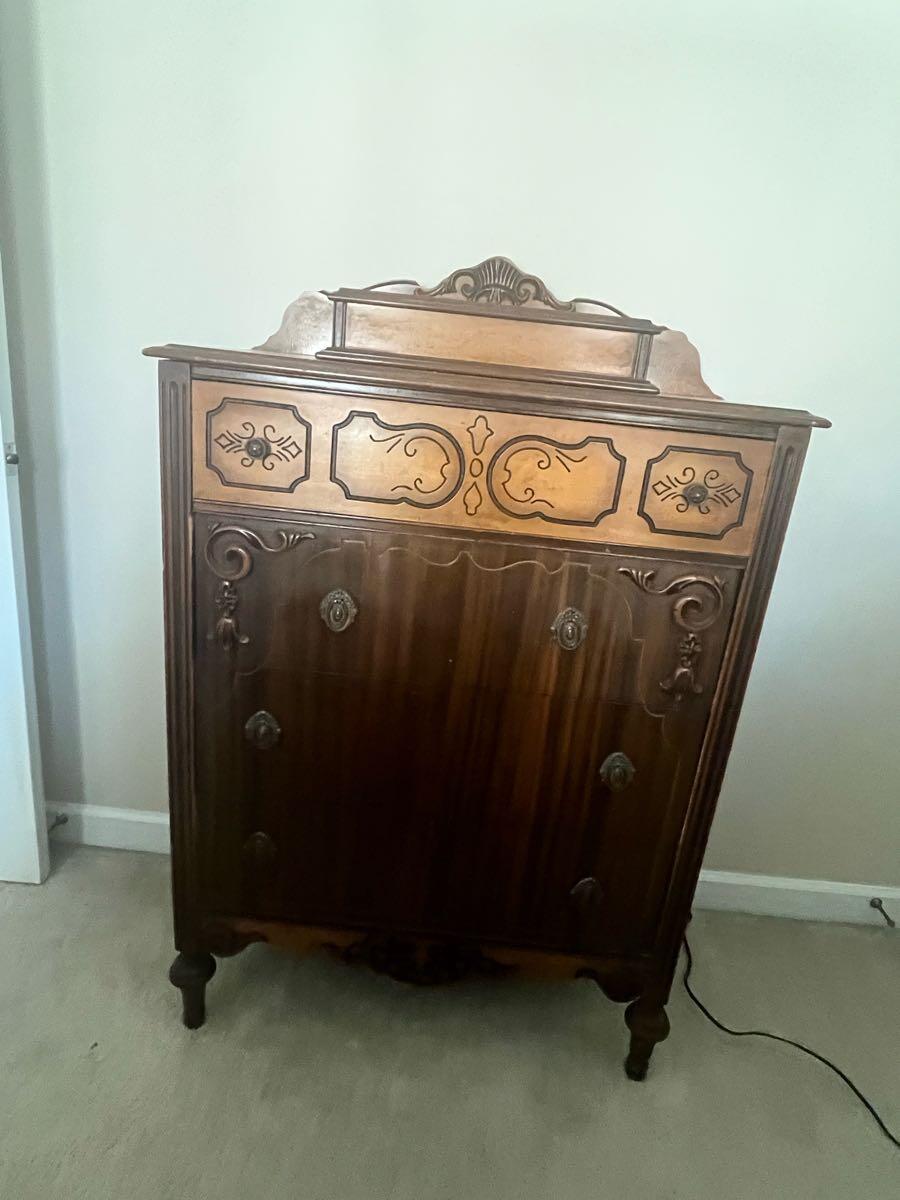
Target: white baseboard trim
804,899
118,828
731,891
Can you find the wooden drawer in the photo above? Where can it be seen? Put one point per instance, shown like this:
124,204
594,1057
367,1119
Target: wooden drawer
364,811
476,470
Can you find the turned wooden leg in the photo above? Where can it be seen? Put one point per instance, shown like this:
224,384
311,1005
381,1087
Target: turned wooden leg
191,973
649,1024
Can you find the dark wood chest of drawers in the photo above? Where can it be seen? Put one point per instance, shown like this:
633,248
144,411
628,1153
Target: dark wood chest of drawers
462,591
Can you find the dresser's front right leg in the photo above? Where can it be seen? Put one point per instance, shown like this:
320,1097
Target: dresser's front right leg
191,973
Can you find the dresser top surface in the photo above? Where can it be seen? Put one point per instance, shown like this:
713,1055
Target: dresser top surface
273,365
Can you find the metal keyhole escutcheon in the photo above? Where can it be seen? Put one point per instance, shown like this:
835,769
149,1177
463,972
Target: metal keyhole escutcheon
262,730
338,610
569,628
617,771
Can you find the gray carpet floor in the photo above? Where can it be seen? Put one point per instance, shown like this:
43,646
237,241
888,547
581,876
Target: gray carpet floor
315,1081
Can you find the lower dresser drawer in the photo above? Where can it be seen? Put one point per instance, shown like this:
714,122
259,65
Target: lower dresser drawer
446,736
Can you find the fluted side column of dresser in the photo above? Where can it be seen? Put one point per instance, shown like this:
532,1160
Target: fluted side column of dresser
462,590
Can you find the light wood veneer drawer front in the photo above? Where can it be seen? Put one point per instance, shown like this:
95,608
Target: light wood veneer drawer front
474,469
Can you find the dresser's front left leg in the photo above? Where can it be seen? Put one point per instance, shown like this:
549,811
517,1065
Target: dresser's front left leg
647,1021
191,973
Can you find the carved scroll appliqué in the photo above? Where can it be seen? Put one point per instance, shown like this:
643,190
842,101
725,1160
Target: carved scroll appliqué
699,600
566,484
257,444
695,493
228,554
418,464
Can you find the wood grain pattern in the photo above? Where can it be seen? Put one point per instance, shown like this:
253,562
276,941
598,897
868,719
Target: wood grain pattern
414,462
577,349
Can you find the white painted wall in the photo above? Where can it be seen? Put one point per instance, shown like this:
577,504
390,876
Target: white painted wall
181,171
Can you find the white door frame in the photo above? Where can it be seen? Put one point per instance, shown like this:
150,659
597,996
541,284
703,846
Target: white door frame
23,823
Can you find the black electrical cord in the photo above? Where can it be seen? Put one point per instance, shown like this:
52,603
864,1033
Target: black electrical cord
787,1041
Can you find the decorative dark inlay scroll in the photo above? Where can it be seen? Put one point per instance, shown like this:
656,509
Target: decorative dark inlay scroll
262,730
480,433
257,444
425,466
231,561
338,610
424,964
695,493
565,484
699,602
420,464
617,771
569,628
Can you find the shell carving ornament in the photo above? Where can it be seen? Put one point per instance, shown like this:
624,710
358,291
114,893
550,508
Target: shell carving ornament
496,281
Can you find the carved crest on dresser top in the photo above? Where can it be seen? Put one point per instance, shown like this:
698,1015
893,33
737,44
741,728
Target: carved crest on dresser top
499,281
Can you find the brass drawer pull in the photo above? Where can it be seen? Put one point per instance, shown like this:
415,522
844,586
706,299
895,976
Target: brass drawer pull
617,771
338,610
262,730
570,628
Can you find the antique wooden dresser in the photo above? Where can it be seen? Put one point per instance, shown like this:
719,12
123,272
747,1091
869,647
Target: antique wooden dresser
463,585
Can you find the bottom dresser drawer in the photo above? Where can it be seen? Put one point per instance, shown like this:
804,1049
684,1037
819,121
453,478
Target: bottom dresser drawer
446,738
